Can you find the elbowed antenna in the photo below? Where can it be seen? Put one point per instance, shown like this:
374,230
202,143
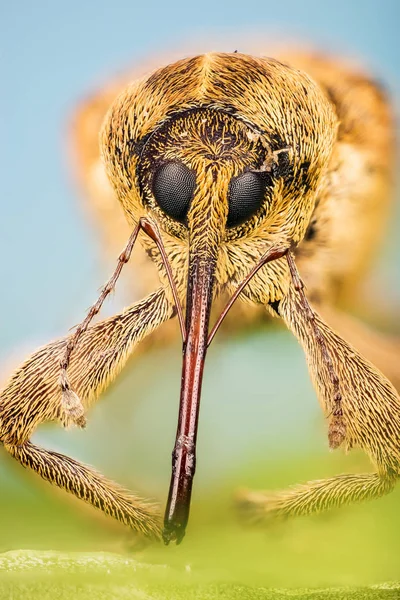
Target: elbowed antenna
72,408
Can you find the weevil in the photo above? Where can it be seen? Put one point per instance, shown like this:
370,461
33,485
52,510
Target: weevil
245,178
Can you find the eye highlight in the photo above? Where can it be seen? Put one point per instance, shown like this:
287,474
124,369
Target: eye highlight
246,194
173,187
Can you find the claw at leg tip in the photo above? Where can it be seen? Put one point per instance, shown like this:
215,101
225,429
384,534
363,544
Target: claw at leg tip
72,410
336,433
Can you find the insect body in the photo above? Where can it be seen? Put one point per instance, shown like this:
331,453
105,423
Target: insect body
236,174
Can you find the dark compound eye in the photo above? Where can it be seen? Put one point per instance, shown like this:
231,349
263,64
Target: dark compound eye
173,187
246,194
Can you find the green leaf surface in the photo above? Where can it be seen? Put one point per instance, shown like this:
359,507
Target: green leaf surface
102,576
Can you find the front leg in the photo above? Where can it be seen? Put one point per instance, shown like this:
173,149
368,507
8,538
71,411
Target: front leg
314,496
363,408
33,395
381,349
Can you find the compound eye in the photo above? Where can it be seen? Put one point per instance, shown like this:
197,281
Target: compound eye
173,187
246,194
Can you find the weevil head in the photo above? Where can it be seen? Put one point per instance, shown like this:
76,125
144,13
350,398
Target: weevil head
226,152
222,150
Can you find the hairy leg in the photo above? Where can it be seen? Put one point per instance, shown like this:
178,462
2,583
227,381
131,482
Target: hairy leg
370,404
370,409
88,485
32,396
381,349
314,496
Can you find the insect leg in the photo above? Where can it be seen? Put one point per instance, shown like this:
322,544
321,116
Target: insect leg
314,496
370,404
32,396
370,410
88,485
337,427
382,349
